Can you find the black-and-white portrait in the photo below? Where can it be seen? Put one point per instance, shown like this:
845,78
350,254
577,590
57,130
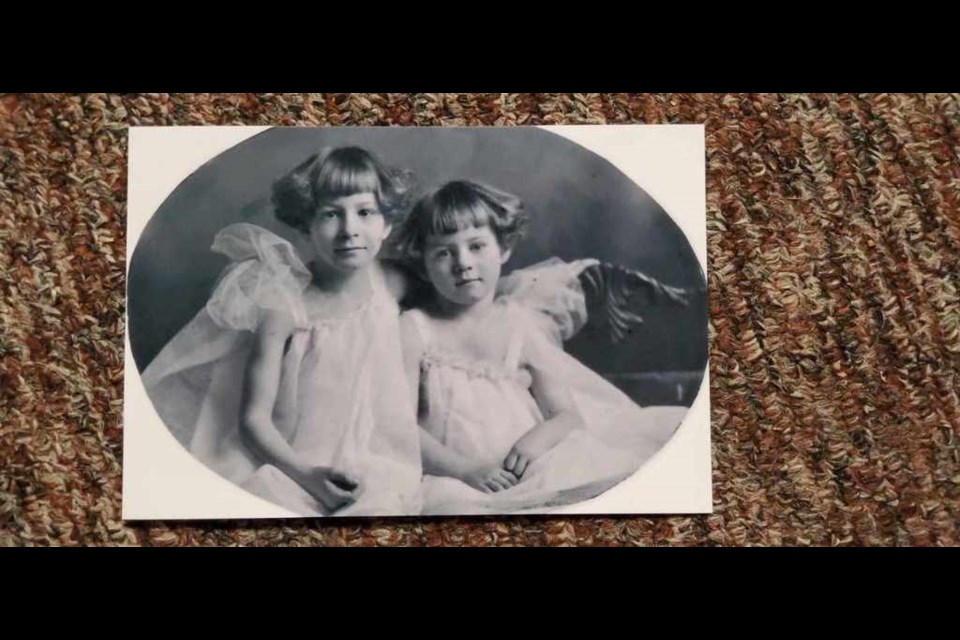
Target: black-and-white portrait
416,321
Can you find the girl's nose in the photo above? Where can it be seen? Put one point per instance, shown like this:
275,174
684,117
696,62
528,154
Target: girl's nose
349,225
463,263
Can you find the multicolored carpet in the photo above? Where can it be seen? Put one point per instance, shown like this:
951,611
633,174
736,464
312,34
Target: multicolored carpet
834,280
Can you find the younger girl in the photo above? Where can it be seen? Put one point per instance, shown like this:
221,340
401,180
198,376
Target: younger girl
509,421
290,381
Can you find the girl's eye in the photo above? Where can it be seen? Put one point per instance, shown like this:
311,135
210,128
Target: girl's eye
442,253
365,213
477,246
329,214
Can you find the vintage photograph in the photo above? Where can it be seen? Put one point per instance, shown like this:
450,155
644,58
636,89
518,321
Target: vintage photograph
416,321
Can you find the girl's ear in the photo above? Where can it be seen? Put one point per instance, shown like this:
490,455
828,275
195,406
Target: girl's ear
386,231
505,255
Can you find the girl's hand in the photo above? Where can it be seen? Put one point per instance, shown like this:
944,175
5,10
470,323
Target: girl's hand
517,461
530,446
334,489
489,479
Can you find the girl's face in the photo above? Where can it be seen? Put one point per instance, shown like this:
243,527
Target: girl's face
347,232
464,267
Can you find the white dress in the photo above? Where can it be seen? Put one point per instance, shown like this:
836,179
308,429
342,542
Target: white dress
342,399
481,408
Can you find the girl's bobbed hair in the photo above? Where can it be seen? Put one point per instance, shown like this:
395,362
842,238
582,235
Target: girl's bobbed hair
458,205
334,173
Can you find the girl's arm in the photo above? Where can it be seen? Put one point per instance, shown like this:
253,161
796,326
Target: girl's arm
438,459
332,488
556,403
